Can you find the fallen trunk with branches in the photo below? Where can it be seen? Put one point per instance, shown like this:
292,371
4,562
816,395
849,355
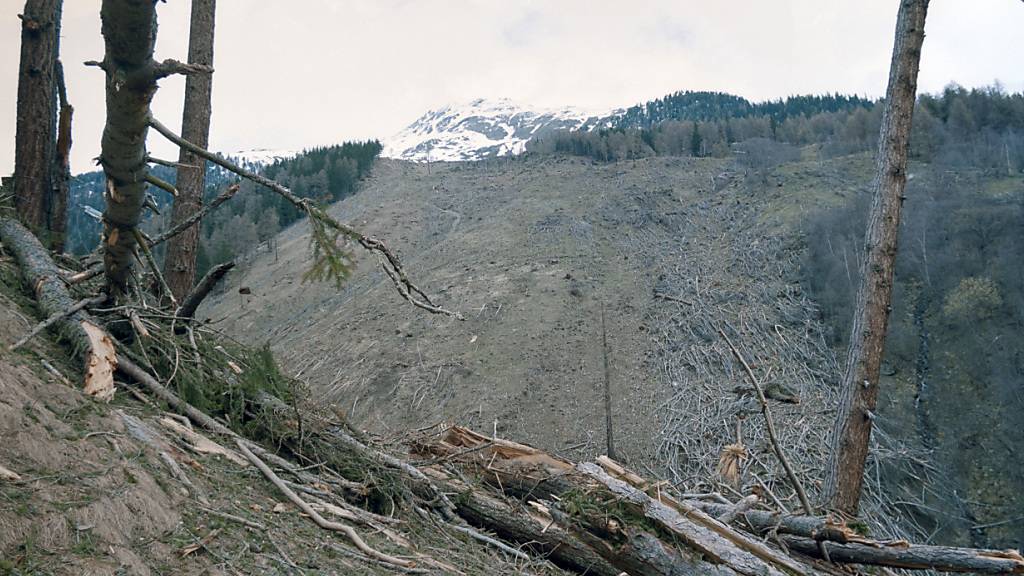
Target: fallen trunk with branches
591,517
640,527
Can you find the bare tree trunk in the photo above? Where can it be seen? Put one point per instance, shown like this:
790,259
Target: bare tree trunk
852,431
180,262
129,32
58,205
37,112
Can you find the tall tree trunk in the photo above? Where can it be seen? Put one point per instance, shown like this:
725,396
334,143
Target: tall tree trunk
129,32
182,250
37,112
867,339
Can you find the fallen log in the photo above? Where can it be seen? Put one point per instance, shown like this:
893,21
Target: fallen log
88,341
763,522
903,555
520,526
719,543
196,296
611,515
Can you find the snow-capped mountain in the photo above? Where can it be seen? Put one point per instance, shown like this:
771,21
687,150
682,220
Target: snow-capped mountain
483,129
260,156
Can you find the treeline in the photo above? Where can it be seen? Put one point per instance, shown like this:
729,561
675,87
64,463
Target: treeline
707,106
254,215
978,129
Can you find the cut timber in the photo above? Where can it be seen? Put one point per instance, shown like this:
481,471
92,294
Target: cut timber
518,525
710,542
903,555
763,522
632,531
87,339
201,444
101,363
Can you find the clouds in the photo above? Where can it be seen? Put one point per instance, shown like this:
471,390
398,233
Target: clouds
294,74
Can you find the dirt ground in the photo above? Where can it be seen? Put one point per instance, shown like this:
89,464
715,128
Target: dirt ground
529,253
95,492
530,250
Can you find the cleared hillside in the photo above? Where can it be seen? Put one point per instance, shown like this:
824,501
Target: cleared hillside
677,251
530,251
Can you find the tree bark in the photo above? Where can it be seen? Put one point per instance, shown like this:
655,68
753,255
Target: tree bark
914,557
36,124
180,260
83,335
58,206
129,32
852,432
193,299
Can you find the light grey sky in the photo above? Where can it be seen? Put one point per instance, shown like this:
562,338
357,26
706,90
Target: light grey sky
311,72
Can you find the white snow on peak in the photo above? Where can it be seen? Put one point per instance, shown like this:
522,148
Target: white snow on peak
484,129
260,156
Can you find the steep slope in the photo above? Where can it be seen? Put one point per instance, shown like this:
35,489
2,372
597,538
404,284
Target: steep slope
675,251
531,251
88,488
483,129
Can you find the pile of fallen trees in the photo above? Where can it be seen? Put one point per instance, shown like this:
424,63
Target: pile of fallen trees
593,518
600,518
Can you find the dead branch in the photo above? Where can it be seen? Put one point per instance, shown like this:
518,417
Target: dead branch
769,422
162,184
8,475
737,509
143,245
191,220
233,518
316,517
171,66
194,298
53,319
391,265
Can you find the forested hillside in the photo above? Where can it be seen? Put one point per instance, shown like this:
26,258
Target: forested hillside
254,215
970,129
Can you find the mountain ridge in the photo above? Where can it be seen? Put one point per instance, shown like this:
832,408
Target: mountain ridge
485,128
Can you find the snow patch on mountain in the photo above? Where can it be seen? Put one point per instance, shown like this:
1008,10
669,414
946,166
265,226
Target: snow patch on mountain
260,156
484,129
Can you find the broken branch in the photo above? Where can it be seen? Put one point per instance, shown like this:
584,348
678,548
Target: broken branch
316,517
389,261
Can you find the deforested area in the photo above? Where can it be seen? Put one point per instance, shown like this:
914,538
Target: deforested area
743,308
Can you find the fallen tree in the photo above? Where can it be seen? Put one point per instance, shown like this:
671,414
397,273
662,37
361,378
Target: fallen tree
87,339
617,513
592,517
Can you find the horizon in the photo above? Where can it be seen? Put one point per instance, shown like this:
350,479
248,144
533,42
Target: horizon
293,89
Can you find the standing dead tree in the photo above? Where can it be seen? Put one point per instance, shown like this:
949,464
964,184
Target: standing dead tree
36,127
852,432
180,261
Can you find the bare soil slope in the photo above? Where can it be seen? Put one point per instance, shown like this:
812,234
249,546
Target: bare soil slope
530,250
88,488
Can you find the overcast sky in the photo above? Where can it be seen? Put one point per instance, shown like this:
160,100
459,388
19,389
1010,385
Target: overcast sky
311,72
